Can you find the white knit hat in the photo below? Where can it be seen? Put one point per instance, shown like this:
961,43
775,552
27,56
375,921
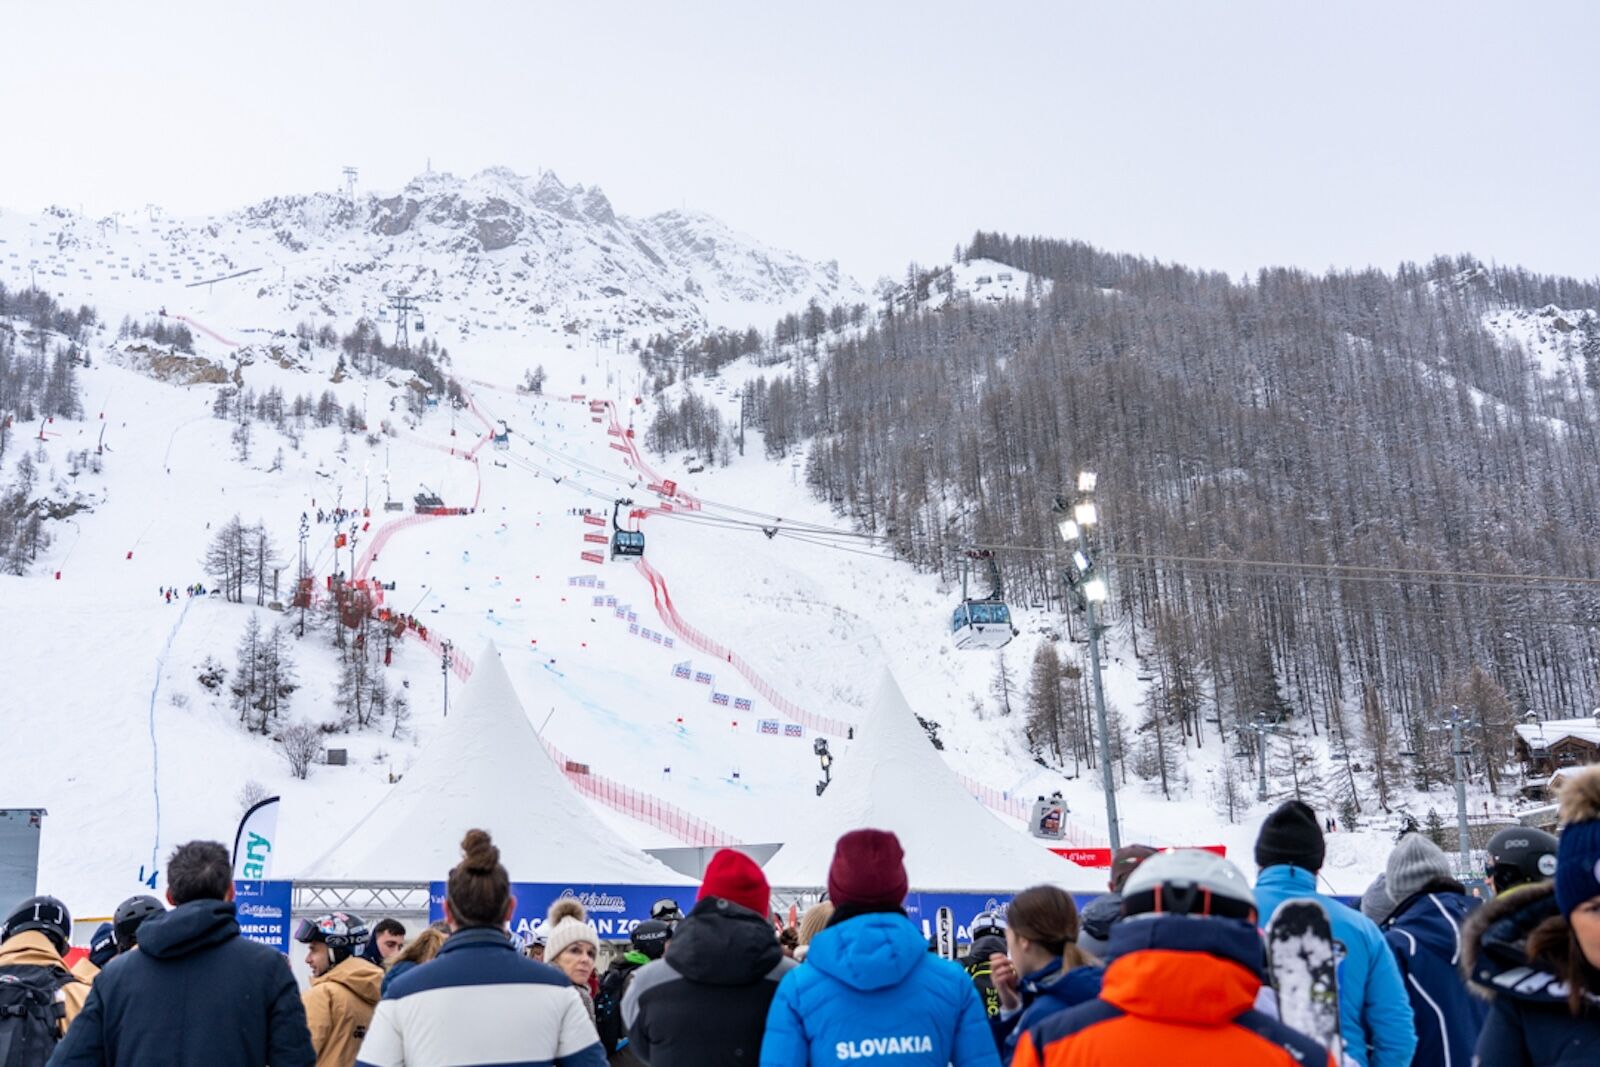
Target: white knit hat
567,924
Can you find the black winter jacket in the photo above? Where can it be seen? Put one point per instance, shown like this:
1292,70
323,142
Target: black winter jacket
705,1004
194,994
1529,1022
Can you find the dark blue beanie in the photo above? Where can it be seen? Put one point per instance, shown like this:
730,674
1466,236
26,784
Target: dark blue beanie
1578,853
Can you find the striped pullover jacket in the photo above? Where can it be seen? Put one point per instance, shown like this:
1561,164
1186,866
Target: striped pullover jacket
480,1003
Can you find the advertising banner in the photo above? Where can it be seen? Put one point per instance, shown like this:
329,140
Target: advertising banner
253,844
264,911
613,909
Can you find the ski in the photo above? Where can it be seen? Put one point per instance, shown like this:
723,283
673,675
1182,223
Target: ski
1304,960
945,932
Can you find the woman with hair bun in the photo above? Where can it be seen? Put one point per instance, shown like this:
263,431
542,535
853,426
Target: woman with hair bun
571,943
478,1001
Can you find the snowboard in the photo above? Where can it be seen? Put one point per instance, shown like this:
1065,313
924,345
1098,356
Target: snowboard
1304,960
945,932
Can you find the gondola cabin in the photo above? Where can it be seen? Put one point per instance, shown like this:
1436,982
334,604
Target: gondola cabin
981,624
627,543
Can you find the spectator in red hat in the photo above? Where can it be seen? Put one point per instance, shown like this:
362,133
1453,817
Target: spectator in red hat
870,987
705,1004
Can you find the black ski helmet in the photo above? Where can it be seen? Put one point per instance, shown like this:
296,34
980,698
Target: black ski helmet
344,934
130,914
666,910
1519,855
988,924
651,936
45,914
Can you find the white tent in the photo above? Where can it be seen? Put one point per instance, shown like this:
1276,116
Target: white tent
488,769
891,778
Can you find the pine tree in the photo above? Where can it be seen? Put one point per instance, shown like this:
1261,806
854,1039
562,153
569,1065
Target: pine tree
246,686
1046,711
1003,686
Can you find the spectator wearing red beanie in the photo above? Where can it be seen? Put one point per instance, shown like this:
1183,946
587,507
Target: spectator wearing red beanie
870,987
705,1004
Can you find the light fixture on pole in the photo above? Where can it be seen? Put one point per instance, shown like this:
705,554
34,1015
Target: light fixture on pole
1088,589
820,747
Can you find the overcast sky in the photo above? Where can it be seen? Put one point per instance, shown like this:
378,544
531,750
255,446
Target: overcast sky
1221,134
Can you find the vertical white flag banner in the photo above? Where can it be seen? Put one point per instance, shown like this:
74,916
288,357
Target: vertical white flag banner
254,843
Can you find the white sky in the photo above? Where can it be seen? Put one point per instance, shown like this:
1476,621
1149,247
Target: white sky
1217,134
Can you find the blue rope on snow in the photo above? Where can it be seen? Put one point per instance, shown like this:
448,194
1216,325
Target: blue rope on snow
155,751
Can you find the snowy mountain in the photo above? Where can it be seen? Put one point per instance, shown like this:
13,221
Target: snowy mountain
494,252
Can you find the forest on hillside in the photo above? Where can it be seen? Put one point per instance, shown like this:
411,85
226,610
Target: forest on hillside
1312,489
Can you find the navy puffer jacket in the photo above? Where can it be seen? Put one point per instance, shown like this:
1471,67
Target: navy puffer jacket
1530,1023
1424,932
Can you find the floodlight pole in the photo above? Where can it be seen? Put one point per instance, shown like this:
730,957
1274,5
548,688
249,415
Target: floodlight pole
1107,780
1460,754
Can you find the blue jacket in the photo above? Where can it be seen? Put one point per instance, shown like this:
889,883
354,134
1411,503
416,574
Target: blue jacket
479,1002
869,987
1530,1023
1044,992
1425,934
1374,1010
196,993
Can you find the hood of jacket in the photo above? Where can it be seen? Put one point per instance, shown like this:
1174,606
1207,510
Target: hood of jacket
1181,969
1097,916
983,948
1435,919
188,928
722,943
1494,949
30,948
362,977
868,952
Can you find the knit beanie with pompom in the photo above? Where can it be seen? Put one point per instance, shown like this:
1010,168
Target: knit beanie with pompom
567,924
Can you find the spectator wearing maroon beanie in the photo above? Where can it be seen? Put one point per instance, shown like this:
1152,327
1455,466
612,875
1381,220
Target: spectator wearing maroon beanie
869,986
705,1003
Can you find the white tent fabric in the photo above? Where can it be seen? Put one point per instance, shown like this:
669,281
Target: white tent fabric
891,778
487,768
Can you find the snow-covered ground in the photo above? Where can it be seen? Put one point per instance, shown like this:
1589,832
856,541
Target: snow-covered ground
133,755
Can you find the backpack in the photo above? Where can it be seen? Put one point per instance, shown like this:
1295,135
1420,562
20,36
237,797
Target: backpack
31,1013
607,1008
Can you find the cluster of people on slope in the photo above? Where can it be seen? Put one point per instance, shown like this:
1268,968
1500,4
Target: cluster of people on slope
1169,963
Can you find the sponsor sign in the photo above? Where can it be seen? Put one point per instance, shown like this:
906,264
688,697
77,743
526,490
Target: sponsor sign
263,908
613,909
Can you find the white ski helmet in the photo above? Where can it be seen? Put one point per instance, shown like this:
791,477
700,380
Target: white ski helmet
1188,881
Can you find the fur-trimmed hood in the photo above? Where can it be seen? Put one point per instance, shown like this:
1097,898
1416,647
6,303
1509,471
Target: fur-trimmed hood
1494,943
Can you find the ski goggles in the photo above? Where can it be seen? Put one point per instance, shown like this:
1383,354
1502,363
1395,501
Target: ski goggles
666,908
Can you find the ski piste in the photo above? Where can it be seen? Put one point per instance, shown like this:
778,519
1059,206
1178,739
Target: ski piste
945,932
1304,962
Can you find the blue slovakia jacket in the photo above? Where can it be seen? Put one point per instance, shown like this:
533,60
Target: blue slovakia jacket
1045,992
1425,934
870,988
1374,1010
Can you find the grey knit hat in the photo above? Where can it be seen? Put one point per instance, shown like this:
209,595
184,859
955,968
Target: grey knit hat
1376,903
1415,863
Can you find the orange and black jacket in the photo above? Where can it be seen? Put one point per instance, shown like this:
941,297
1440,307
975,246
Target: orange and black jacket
1180,988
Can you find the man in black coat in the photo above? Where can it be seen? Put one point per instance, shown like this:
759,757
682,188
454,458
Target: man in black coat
195,993
705,1004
